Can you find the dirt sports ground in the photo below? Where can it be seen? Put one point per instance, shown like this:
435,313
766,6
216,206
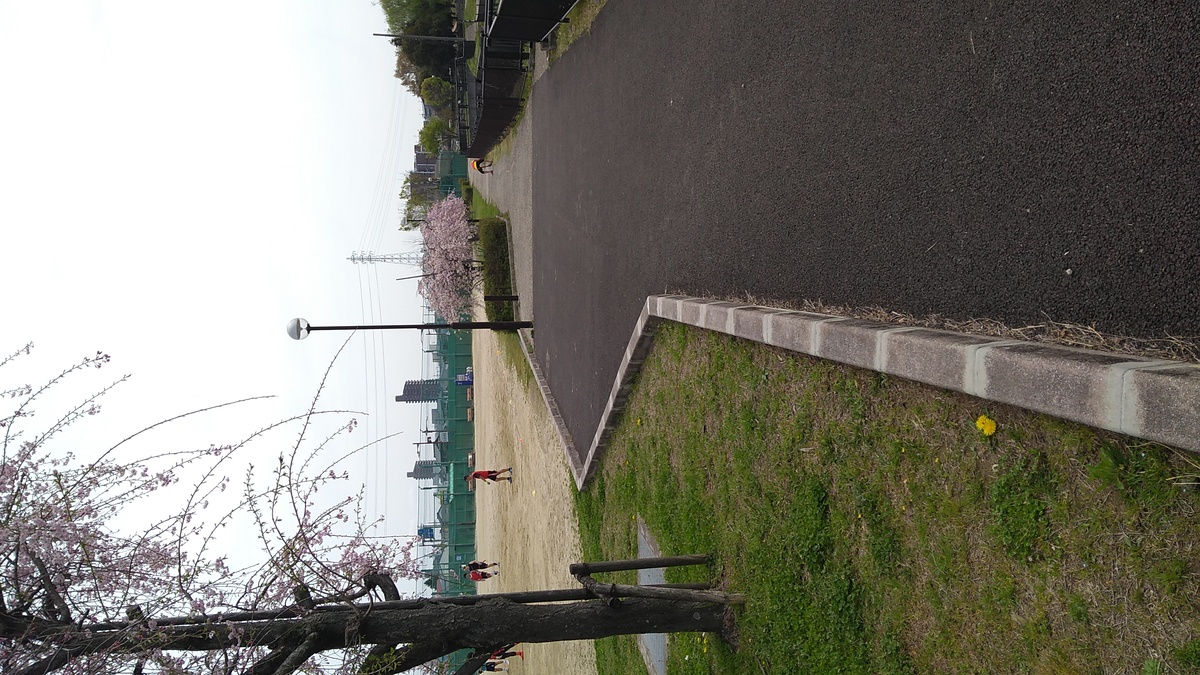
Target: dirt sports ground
527,526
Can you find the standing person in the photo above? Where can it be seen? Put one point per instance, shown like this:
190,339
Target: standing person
482,165
489,475
478,565
504,653
480,575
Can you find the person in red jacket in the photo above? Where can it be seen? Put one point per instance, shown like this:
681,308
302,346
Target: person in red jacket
489,475
480,575
504,653
479,565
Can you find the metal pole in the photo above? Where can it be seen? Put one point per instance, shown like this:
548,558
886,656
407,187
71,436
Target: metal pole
455,325
638,564
434,38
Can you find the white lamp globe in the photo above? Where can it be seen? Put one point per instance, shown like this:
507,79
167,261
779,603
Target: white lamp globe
298,329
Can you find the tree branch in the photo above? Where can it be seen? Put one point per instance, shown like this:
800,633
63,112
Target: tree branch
385,660
60,658
381,659
384,583
56,599
300,654
271,662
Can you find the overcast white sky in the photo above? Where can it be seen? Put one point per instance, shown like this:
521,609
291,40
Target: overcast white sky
177,181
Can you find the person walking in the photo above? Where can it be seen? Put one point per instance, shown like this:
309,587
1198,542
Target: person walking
482,165
480,575
490,475
495,667
479,565
504,653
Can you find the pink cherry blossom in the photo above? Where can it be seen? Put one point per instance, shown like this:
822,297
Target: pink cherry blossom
451,270
67,570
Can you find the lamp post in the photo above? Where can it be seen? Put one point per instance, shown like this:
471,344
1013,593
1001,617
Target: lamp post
299,328
409,36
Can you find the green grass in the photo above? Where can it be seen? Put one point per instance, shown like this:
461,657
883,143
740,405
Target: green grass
1019,499
493,251
497,279
1188,655
579,22
515,358
619,655
505,144
480,207
873,529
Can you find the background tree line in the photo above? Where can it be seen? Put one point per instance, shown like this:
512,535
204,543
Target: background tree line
418,60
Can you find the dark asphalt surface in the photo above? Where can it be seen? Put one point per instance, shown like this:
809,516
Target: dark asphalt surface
937,157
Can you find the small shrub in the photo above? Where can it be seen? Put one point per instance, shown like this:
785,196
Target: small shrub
493,245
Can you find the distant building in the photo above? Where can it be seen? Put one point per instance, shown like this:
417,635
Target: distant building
426,469
424,163
420,391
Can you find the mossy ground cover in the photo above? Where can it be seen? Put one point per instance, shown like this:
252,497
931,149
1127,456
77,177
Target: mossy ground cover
874,529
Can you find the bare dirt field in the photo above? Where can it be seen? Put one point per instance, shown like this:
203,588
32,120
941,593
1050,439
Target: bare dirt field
527,526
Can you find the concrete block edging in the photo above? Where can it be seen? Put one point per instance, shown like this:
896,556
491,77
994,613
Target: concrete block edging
1147,398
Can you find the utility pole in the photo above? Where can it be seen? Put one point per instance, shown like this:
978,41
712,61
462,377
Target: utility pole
431,38
371,257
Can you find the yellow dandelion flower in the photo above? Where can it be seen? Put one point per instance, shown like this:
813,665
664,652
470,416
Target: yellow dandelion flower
986,425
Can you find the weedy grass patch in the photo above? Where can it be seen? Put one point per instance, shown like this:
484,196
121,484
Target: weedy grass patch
876,525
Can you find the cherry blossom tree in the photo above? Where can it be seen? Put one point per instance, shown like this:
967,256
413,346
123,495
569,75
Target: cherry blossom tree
79,593
451,271
81,596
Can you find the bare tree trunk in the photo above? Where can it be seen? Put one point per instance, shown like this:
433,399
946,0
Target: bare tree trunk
429,630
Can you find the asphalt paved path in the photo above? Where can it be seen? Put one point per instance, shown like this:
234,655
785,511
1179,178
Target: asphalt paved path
1013,161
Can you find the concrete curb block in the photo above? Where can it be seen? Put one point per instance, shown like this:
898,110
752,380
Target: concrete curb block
1152,399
